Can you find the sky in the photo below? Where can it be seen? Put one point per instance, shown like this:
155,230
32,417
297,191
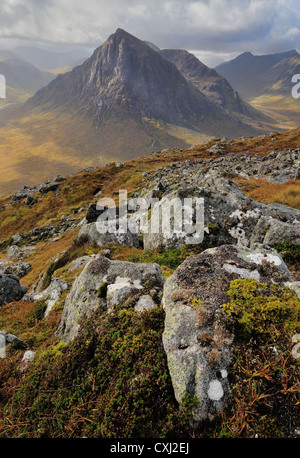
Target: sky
214,30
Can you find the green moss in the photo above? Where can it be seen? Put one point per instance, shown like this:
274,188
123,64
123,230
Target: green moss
102,290
262,310
290,253
213,228
264,375
6,243
171,258
196,302
37,313
48,275
112,381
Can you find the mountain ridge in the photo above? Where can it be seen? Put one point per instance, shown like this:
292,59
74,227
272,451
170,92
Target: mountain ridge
244,72
209,82
124,99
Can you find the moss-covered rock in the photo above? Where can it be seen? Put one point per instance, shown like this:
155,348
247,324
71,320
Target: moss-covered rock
199,336
103,284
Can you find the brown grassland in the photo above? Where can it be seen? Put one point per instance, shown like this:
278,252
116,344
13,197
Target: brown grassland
60,395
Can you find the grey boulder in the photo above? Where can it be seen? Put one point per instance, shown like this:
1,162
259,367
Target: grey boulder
196,338
105,283
10,289
91,232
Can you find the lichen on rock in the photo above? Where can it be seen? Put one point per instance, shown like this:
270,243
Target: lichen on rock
105,283
199,336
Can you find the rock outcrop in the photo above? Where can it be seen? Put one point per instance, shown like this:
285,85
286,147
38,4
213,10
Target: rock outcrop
91,232
10,339
197,338
230,217
51,294
105,283
19,269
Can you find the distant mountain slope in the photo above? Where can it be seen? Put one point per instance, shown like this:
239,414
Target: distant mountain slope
124,101
266,83
208,81
252,75
49,60
22,78
278,79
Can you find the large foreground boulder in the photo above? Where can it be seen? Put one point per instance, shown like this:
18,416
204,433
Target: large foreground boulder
10,289
197,339
106,283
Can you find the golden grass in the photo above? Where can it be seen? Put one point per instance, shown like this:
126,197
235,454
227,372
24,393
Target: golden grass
38,146
286,110
40,259
265,192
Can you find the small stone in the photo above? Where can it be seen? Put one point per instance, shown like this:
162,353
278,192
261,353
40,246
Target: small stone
28,356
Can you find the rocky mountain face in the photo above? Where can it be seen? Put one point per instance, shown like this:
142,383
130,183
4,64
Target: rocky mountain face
125,77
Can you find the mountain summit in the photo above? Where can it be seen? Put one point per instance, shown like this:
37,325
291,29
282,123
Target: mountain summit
125,77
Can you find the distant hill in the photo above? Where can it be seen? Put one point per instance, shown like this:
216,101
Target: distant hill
22,78
266,83
49,60
252,75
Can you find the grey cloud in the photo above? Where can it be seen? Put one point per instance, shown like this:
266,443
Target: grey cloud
216,26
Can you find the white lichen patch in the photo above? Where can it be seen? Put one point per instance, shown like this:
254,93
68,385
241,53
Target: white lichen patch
239,234
257,258
137,284
243,273
215,390
224,373
248,214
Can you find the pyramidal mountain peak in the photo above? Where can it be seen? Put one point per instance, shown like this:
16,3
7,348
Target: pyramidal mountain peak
128,96
126,76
